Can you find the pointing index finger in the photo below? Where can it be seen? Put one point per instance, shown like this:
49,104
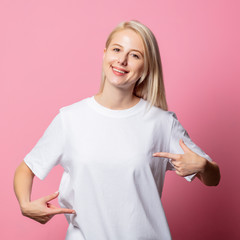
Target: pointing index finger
165,155
63,211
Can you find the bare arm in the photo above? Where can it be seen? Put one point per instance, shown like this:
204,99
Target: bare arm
23,181
39,210
190,163
210,174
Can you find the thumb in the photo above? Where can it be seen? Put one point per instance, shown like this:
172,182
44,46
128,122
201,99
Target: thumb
50,197
184,146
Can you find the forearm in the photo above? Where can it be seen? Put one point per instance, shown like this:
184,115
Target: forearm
23,180
210,174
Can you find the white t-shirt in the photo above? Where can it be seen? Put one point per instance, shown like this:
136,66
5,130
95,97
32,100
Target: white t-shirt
110,177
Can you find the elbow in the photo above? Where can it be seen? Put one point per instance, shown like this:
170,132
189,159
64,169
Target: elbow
214,183
216,177
212,175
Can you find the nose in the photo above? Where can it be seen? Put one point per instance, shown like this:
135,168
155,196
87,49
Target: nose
122,59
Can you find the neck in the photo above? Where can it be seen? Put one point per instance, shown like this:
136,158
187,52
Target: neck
116,98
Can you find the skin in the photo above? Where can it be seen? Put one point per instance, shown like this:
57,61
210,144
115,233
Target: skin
39,210
189,162
118,94
126,53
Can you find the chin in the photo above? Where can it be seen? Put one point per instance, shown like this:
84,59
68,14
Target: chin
118,85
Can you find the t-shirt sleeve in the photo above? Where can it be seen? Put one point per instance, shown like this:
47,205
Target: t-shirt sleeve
177,133
48,151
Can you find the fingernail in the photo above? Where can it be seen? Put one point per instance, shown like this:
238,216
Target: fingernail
57,192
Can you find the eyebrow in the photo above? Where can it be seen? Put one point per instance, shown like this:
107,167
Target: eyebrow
115,44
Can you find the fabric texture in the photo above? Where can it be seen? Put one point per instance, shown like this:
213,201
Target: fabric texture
110,177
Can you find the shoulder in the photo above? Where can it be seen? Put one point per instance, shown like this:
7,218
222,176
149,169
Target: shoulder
75,107
160,118
157,112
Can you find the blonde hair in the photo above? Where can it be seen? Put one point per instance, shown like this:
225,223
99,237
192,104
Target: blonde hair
150,86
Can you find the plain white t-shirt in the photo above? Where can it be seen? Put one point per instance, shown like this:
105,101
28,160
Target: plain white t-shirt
110,177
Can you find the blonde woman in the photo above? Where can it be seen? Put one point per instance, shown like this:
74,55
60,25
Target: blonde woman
115,148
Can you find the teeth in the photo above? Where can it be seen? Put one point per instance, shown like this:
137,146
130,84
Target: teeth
118,70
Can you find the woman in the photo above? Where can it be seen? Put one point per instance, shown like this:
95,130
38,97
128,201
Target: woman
115,148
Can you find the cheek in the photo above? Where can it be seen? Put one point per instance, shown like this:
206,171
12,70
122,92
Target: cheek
106,63
108,59
140,69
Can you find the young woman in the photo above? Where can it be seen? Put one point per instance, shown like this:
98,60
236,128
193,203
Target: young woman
115,148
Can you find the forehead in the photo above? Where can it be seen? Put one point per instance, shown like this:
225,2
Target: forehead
128,38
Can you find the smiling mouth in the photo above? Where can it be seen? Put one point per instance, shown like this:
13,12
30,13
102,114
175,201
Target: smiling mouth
119,71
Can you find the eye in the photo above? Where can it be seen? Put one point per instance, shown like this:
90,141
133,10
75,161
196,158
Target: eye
135,56
116,49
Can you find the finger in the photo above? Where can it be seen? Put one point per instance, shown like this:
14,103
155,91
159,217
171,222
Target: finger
179,173
50,197
49,205
175,164
184,146
166,155
43,220
57,210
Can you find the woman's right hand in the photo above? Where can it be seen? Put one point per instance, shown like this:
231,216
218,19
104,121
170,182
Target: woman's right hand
41,210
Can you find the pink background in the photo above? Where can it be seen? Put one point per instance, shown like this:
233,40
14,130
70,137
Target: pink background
50,56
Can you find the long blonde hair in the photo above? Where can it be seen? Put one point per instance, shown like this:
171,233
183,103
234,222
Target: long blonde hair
150,86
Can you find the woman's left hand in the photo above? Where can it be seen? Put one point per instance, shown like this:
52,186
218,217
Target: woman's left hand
187,163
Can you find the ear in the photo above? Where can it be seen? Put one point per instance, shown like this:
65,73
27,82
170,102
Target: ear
104,52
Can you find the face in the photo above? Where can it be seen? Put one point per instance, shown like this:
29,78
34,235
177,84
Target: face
123,60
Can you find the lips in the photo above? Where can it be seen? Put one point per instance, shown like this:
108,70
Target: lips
119,70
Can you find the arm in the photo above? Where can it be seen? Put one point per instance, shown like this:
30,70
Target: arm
23,180
210,174
39,210
190,162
